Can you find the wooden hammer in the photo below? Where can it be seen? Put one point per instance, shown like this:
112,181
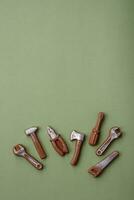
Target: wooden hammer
33,133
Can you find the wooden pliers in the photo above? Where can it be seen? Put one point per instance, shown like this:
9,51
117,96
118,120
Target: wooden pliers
57,142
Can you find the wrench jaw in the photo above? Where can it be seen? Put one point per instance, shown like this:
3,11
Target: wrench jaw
19,150
115,132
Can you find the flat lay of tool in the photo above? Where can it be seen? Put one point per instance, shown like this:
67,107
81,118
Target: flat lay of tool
94,136
61,147
97,169
20,150
114,133
79,137
57,142
32,132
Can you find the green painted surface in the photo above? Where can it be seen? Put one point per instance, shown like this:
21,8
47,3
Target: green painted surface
61,62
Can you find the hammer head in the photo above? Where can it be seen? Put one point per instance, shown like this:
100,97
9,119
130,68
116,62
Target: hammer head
77,136
31,130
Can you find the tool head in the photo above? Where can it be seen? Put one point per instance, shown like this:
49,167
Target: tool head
115,132
18,150
31,130
77,136
52,134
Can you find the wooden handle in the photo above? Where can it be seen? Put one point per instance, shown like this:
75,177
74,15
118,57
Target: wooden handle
57,149
77,151
99,121
62,144
59,145
95,171
38,146
94,136
33,161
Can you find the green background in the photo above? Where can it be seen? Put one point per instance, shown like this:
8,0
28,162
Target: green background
61,62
